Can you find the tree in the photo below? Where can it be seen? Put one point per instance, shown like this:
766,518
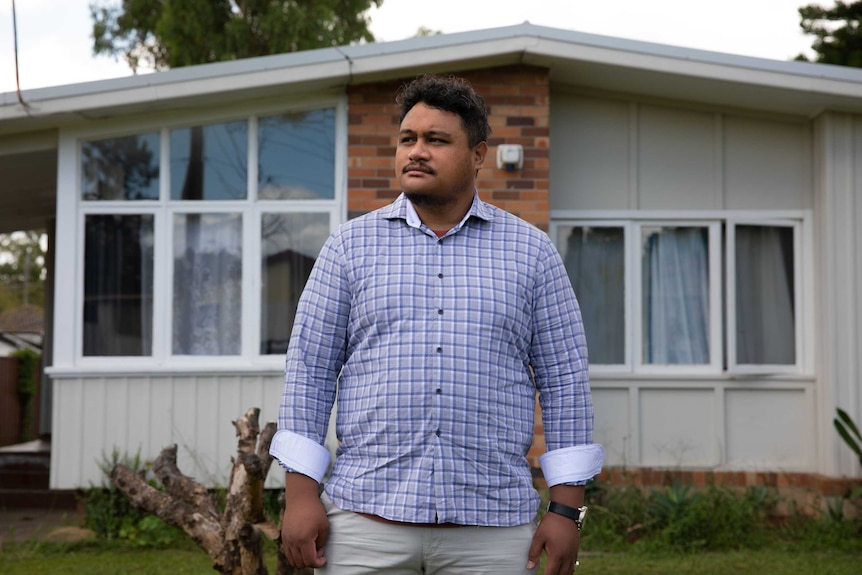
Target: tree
162,34
22,269
837,33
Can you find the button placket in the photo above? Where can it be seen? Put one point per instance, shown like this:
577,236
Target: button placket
438,387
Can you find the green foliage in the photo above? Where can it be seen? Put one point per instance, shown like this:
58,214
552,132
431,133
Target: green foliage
164,34
667,507
22,270
848,431
617,516
109,513
716,519
682,519
272,504
836,31
29,362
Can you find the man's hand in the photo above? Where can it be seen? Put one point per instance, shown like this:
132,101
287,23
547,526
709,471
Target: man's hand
305,527
558,536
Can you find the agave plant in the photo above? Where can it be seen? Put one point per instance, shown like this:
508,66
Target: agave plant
849,432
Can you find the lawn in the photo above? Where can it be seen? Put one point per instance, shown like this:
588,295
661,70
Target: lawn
631,531
112,559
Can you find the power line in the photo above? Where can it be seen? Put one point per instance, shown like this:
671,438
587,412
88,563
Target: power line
15,34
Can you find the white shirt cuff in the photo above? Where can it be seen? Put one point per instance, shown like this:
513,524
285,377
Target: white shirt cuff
300,454
572,464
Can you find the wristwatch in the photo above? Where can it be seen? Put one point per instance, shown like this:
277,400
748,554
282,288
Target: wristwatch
576,514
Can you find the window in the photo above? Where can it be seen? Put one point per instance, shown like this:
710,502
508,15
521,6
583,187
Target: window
118,285
687,296
199,239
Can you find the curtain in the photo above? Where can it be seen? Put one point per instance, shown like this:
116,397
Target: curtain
118,285
207,310
595,262
765,332
675,296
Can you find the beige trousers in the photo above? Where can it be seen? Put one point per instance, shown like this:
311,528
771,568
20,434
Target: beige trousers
359,546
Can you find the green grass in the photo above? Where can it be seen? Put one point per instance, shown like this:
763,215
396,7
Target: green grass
772,562
109,558
673,529
115,558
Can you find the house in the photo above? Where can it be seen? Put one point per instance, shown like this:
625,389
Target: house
705,205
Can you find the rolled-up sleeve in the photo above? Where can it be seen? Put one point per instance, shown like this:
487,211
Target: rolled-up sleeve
315,355
561,371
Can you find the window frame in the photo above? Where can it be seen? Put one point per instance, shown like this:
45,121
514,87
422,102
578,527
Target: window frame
721,285
69,351
798,305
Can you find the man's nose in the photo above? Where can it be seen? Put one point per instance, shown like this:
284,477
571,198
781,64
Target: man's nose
418,150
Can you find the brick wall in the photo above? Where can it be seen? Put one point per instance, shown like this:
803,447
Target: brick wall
517,98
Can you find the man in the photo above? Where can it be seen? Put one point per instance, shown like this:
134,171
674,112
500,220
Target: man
439,316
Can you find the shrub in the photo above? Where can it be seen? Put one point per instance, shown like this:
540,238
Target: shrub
112,516
715,519
28,374
677,518
616,518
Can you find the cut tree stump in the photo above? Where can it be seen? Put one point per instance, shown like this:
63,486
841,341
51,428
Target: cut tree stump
233,538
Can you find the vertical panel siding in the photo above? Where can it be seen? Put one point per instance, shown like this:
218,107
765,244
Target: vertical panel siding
708,424
145,414
615,153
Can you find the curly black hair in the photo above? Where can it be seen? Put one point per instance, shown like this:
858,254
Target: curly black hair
450,94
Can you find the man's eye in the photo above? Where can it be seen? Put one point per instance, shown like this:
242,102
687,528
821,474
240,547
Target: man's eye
407,139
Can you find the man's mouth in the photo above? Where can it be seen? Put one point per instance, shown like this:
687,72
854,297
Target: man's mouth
417,168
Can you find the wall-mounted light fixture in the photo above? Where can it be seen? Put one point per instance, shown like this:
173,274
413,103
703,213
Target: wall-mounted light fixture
510,157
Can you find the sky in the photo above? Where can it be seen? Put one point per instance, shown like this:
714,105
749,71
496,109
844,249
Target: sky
55,48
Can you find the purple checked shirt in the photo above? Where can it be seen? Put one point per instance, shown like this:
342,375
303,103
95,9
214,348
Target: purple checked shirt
430,342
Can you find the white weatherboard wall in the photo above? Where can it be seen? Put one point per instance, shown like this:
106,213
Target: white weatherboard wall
616,157
838,269
142,415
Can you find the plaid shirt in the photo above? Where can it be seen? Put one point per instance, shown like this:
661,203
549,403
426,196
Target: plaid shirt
434,340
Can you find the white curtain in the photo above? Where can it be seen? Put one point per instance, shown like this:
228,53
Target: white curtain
765,332
207,284
595,262
675,296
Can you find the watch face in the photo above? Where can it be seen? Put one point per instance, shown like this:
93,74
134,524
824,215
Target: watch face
582,515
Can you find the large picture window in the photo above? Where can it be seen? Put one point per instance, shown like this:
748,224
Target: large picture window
687,296
199,239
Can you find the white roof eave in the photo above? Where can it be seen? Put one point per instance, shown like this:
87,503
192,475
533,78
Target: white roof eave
574,58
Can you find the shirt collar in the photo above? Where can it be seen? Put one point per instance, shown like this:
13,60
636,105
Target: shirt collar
403,209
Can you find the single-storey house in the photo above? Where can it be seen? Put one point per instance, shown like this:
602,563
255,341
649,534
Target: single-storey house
706,206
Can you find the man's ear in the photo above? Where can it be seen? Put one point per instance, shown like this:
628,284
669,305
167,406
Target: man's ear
480,150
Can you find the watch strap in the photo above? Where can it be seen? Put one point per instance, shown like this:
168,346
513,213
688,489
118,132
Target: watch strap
576,514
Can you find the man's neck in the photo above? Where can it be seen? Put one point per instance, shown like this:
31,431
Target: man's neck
443,217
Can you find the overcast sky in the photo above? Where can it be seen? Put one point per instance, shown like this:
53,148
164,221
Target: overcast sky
54,44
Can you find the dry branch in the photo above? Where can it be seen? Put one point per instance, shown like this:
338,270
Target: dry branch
234,538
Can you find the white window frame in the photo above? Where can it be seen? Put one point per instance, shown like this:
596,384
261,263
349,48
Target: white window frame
798,304
73,210
715,293
628,322
722,302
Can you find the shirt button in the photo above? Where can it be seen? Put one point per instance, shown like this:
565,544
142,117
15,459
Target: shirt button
439,391
440,276
440,312
439,350
437,433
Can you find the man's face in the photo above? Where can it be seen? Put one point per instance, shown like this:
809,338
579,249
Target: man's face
434,162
